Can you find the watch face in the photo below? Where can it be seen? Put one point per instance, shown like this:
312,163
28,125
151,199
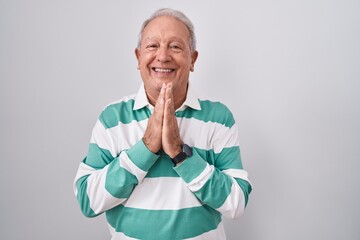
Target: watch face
187,150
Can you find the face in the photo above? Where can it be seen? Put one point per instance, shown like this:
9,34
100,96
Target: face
165,56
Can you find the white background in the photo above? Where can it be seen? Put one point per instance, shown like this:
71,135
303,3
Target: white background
289,71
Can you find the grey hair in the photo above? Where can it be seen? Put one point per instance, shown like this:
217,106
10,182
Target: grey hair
171,13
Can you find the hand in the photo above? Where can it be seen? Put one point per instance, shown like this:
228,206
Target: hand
162,130
153,133
171,141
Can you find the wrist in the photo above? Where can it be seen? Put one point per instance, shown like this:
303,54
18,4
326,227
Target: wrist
176,152
186,151
149,146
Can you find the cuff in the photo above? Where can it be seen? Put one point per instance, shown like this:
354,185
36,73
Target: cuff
141,156
191,167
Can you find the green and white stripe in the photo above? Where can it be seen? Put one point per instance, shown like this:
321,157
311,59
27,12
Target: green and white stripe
143,194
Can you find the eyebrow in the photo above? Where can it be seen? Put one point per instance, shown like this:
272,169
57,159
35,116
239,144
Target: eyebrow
172,39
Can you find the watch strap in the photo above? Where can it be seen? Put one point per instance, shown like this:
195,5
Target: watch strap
185,153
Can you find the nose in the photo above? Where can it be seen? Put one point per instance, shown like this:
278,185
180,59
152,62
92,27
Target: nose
163,55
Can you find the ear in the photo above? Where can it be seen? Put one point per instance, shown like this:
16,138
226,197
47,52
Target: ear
137,54
194,56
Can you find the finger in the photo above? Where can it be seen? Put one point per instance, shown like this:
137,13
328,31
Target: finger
153,132
159,106
168,93
171,141
169,110
160,100
170,122
168,113
169,96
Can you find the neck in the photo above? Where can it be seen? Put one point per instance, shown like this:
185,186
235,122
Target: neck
179,96
179,101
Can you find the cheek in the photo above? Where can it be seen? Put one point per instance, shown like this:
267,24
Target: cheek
141,60
146,59
143,66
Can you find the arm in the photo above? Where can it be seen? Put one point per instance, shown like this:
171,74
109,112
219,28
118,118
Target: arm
223,184
105,180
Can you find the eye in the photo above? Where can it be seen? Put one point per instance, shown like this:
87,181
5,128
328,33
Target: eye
152,46
176,47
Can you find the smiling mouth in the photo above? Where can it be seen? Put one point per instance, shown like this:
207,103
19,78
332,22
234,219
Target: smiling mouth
163,70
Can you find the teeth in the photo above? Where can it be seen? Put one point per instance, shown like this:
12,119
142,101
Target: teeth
164,70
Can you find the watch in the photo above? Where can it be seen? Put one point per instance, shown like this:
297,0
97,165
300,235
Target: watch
185,153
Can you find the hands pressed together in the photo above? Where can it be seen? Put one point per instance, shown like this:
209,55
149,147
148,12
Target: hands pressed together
162,130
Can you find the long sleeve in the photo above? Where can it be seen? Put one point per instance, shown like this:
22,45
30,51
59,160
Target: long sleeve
226,191
215,173
100,189
115,163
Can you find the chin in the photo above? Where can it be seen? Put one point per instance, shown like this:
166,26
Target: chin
159,83
158,86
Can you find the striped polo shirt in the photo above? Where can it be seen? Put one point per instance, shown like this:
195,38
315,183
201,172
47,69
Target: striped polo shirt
143,194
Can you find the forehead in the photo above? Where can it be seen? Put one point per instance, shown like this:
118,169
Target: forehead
165,27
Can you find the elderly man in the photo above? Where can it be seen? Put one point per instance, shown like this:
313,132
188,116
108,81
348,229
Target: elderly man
162,163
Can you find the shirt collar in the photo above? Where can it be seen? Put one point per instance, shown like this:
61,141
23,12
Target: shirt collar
191,100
